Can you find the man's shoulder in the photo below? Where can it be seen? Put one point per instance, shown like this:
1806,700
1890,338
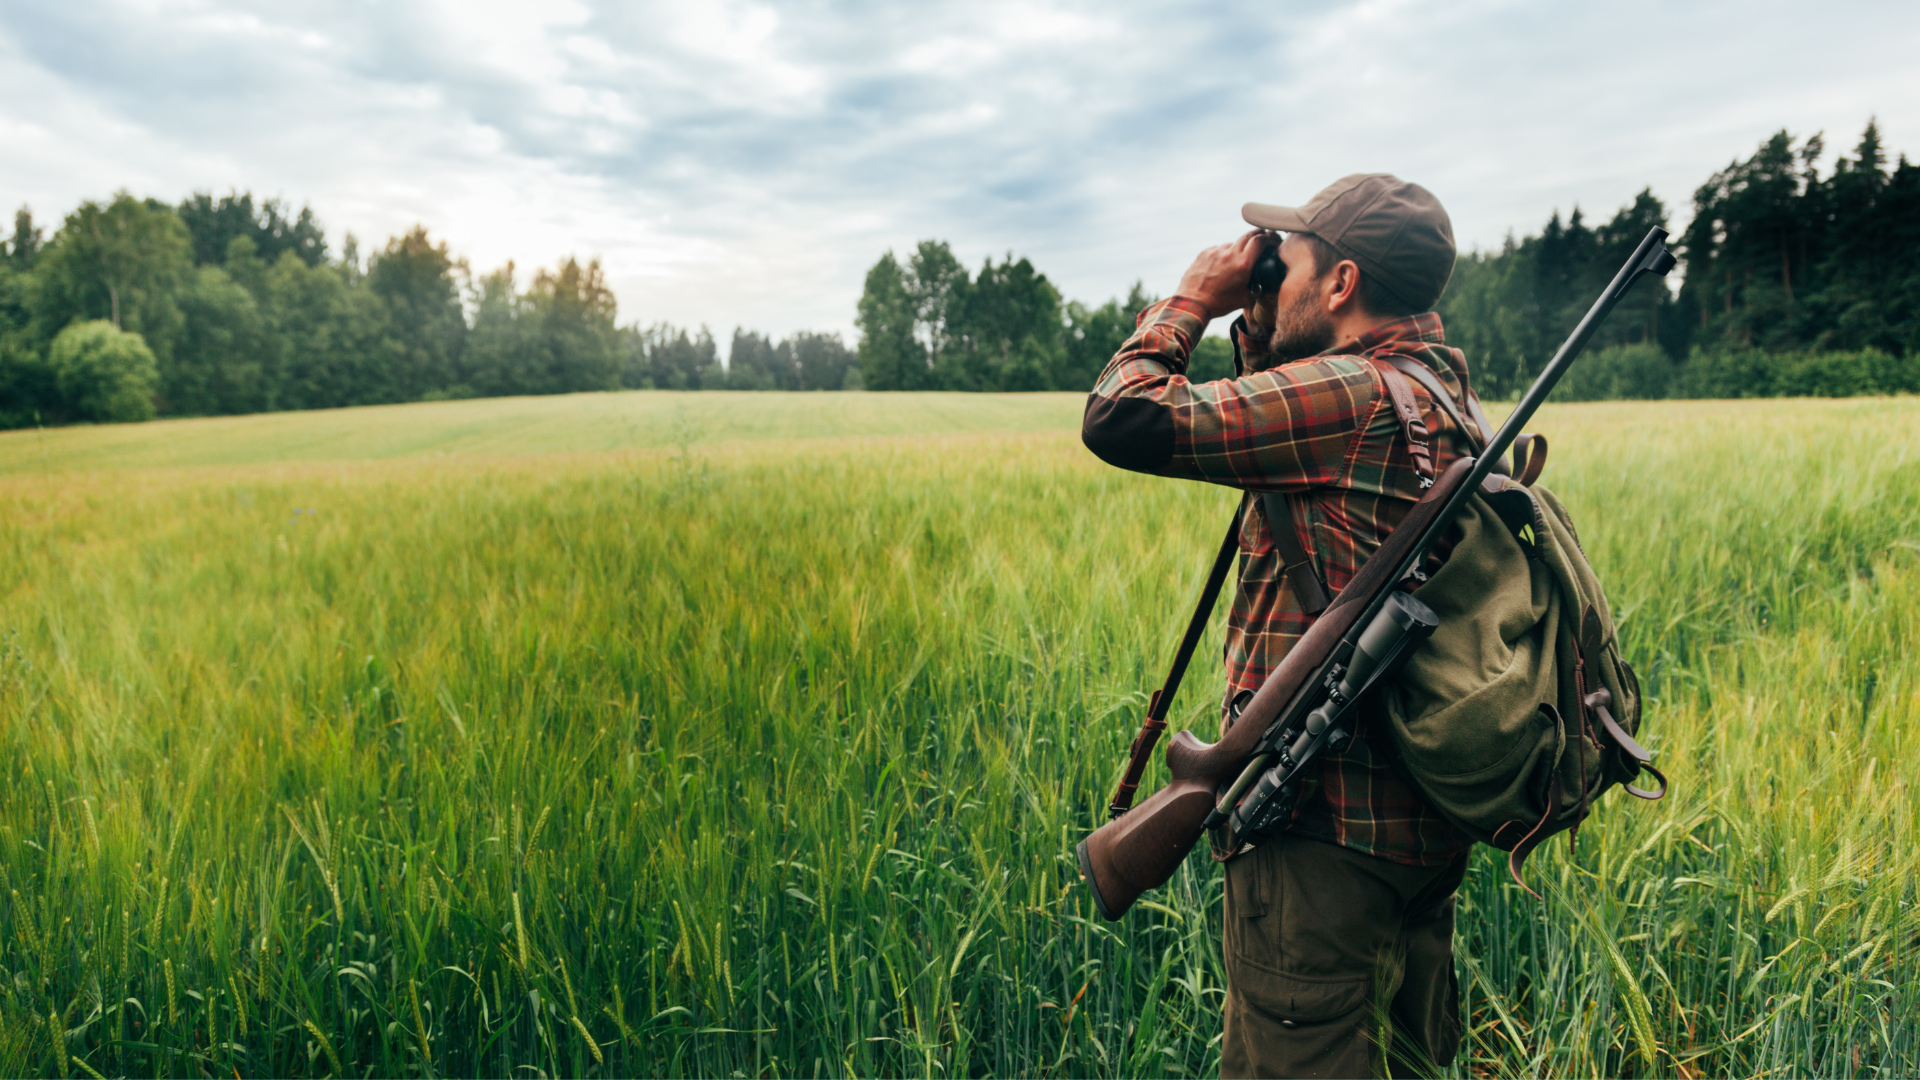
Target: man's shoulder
1355,373
1316,391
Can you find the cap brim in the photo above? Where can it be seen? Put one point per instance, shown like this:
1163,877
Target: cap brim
1278,218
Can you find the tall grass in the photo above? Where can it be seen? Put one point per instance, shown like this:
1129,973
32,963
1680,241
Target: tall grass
768,759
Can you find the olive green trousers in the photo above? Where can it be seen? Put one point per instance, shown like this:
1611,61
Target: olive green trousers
1339,964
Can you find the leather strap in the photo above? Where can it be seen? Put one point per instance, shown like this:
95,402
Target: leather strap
1479,415
1407,407
1301,575
1529,458
1156,720
1424,375
1486,425
1526,466
1598,702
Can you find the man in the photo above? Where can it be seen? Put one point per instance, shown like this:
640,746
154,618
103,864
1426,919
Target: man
1339,929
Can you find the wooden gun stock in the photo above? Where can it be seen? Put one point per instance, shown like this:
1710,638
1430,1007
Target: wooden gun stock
1142,848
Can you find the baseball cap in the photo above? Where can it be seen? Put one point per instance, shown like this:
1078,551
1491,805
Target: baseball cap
1396,231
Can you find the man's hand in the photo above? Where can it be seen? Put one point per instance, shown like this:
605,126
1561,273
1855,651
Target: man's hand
1217,279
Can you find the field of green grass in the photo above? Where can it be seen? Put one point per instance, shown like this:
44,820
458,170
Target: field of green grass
736,735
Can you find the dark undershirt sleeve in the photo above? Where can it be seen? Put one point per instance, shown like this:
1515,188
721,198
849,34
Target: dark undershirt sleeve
1130,433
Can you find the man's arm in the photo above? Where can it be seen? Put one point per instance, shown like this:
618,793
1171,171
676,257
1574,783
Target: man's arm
1283,429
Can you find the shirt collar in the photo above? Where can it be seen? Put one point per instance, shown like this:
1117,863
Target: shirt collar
1421,329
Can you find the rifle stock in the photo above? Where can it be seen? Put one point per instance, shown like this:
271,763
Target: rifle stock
1141,849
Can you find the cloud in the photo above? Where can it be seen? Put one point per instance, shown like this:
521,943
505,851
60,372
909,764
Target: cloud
743,163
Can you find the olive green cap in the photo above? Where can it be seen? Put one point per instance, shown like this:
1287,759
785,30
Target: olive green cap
1397,232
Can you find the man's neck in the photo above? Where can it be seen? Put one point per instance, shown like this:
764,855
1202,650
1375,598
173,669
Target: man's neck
1349,329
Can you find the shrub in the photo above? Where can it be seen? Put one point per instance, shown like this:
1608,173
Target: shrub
1618,373
1749,373
103,373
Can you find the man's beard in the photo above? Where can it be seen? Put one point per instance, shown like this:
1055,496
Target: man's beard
1300,330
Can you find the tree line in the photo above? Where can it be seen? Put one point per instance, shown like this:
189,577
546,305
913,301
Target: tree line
135,308
1794,282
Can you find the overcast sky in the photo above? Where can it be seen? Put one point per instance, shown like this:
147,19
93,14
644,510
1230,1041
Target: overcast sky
743,164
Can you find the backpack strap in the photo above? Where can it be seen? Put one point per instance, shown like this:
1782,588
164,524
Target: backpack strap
1479,415
1407,407
1298,565
1526,466
1422,374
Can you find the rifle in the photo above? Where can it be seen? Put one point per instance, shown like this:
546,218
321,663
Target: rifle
1307,705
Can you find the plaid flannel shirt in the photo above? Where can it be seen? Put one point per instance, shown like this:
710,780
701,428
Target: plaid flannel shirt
1324,431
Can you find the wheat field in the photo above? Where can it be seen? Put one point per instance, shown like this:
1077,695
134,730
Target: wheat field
750,735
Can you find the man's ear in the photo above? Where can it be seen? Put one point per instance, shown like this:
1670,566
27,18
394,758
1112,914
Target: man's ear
1344,293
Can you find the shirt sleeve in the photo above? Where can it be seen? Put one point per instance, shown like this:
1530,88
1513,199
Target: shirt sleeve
1284,429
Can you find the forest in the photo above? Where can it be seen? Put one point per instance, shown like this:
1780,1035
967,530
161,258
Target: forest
1795,282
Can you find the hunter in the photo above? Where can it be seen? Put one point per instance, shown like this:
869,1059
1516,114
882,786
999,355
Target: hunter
1339,928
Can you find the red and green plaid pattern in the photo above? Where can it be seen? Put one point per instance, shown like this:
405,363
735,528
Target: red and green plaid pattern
1323,430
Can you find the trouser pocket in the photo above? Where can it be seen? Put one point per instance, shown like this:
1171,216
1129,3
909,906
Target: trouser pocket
1279,1024
1298,1000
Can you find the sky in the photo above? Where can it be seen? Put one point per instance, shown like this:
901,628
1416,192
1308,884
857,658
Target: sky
743,164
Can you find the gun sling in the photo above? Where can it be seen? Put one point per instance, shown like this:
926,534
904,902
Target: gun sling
1156,721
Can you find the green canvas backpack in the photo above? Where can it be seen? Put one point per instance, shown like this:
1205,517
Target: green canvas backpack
1519,713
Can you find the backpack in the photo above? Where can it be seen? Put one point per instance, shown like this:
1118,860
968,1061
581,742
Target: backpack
1519,713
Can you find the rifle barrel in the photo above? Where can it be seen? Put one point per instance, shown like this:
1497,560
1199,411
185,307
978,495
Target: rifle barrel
1651,257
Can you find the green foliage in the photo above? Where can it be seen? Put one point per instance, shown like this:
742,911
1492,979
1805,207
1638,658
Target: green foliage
1743,373
930,325
1644,372
824,363
663,357
103,374
219,366
244,311
26,385
27,240
415,280
1509,311
1783,259
216,224
556,338
125,262
1212,359
770,759
754,363
806,361
329,341
1004,329
1095,334
1617,373
891,357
